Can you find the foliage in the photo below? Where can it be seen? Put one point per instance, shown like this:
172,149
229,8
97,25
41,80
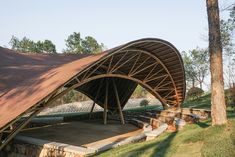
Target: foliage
144,103
196,64
45,47
194,93
227,36
230,97
73,43
203,103
76,45
73,96
90,45
139,92
26,45
227,29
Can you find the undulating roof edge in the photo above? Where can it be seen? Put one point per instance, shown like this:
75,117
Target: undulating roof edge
27,80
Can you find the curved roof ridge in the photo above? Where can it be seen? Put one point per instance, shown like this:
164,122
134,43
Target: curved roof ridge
26,80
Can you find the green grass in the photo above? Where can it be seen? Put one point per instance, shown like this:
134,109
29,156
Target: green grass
194,140
203,102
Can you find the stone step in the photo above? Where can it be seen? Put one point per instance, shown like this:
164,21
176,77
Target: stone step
156,132
144,118
140,124
155,123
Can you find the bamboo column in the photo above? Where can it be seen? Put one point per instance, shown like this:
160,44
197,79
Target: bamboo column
106,101
118,102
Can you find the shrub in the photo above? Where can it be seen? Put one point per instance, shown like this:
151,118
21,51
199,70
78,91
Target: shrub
230,97
194,93
144,103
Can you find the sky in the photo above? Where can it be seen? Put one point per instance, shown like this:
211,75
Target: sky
183,22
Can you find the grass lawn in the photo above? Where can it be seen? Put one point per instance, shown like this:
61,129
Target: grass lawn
195,140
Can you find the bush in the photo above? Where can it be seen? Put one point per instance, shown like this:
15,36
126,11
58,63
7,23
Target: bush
144,103
230,97
194,93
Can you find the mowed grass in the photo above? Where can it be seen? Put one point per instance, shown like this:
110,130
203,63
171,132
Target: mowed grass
195,140
203,102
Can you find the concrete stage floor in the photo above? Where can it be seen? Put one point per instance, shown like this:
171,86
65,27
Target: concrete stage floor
84,133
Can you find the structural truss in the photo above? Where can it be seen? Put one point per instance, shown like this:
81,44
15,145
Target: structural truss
108,78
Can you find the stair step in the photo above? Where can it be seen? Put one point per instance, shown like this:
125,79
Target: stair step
139,123
155,123
156,132
144,118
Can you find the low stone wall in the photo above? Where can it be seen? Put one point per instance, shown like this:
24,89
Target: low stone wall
200,112
23,146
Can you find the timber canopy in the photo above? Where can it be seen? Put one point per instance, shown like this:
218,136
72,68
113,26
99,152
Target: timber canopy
31,82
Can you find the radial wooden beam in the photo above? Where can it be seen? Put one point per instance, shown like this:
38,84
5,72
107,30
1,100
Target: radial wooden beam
106,100
158,85
142,63
118,102
133,66
125,61
96,96
151,71
116,64
136,72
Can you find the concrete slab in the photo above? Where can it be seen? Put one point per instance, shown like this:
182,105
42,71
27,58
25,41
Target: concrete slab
83,132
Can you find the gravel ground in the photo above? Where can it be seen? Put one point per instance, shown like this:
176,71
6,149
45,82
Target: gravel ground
85,106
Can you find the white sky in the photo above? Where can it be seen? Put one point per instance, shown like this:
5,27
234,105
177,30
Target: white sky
182,22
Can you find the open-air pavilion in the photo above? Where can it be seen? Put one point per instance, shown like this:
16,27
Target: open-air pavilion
31,82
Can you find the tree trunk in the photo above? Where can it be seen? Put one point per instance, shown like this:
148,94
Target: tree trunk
200,84
193,82
218,108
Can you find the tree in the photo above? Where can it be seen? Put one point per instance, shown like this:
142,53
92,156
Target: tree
45,47
227,31
194,93
196,65
90,45
29,46
189,71
75,44
227,37
200,61
218,108
25,45
144,103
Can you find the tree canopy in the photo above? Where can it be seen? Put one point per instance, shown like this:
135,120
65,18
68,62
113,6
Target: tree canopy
26,45
77,45
196,63
227,29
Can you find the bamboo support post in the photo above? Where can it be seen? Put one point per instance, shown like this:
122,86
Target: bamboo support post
118,102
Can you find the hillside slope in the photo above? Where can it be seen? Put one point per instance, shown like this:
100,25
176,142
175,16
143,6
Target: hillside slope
195,140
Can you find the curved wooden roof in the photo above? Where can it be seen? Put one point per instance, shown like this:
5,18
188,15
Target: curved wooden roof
29,80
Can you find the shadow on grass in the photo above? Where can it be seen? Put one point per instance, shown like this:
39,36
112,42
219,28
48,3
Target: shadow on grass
230,113
158,149
163,146
202,124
